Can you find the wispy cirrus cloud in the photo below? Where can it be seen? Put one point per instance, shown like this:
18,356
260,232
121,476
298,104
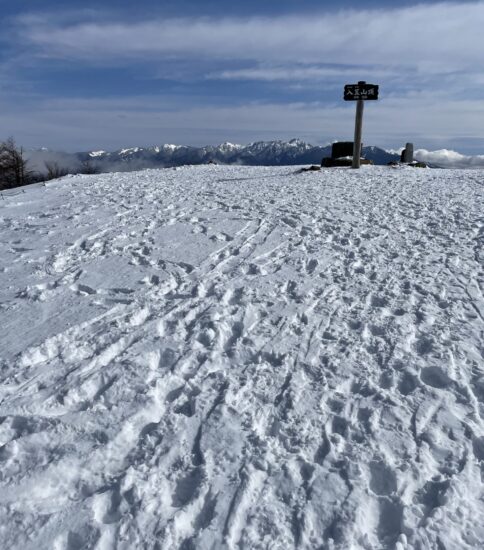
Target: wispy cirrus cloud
301,73
427,37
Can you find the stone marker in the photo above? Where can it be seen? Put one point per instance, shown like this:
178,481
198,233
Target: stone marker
407,154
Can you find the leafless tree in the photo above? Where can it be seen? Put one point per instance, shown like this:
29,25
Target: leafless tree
13,166
54,171
88,167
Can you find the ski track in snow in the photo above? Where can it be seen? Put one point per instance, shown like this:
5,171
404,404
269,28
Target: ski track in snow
232,357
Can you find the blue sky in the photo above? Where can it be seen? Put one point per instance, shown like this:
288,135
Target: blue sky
110,74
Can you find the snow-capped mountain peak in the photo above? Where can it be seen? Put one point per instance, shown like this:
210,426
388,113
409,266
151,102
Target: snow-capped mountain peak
259,153
129,151
227,146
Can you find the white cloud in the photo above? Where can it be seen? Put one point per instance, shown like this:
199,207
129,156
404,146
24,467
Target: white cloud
449,159
298,73
429,38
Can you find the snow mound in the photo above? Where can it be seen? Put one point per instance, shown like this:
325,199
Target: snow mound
231,357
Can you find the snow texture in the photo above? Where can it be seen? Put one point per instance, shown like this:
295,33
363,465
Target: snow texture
243,358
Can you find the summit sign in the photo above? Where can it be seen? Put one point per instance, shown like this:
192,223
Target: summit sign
354,92
360,93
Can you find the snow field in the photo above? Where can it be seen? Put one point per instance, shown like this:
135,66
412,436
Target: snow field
232,357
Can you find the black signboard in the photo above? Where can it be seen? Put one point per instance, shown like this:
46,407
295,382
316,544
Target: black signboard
342,149
362,90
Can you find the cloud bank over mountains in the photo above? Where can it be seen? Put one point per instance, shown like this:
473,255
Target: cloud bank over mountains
449,159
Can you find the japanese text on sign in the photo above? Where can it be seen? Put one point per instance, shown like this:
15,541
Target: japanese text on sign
354,92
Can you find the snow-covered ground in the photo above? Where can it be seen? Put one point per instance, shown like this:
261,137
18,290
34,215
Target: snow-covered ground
243,358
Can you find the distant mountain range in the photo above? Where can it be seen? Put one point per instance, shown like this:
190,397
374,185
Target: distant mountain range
261,153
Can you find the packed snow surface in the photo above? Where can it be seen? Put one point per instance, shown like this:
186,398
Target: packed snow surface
243,358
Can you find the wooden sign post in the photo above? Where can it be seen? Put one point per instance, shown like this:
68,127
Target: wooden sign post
358,131
359,93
